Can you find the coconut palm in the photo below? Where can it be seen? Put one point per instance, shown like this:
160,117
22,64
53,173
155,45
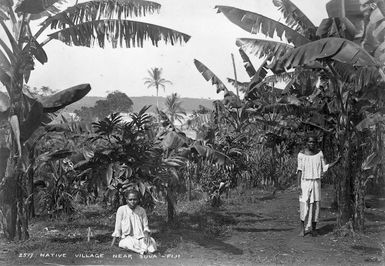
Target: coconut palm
155,80
81,24
174,109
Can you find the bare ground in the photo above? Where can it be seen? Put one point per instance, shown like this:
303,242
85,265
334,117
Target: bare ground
251,228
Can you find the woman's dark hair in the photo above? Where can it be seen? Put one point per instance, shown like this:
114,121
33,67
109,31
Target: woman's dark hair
132,191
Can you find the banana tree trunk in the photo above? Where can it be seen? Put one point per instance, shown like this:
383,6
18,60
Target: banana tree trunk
171,202
9,197
344,188
189,186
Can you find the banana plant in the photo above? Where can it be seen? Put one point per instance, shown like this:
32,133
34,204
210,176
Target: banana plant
346,52
80,24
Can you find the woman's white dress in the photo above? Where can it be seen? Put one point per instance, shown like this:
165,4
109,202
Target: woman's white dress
312,168
130,225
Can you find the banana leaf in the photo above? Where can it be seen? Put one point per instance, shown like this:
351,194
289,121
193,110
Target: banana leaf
101,9
34,6
212,155
344,8
231,100
15,47
242,86
173,140
294,17
5,78
210,76
375,31
372,161
123,32
337,49
54,156
3,16
337,27
370,121
4,102
247,63
59,100
256,23
30,117
264,48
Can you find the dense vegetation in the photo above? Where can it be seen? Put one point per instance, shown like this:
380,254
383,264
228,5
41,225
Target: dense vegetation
334,89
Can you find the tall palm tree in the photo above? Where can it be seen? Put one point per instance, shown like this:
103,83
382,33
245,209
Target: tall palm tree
155,80
82,24
174,109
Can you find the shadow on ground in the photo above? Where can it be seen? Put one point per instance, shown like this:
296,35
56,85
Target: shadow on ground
326,229
254,230
204,228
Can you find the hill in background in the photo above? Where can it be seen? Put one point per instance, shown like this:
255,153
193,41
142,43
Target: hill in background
189,104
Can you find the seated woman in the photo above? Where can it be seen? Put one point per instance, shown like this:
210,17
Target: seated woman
132,226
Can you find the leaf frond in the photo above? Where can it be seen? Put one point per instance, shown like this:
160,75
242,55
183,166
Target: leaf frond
102,9
123,32
263,48
210,76
256,23
294,17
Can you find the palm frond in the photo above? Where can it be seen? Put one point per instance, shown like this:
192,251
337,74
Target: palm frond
294,17
108,124
210,76
101,9
125,32
256,23
263,48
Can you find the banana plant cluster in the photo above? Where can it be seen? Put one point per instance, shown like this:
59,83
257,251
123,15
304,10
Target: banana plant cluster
332,73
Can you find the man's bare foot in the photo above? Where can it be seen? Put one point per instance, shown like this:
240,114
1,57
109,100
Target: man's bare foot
301,233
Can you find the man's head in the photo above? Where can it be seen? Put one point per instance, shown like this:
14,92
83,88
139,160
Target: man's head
132,198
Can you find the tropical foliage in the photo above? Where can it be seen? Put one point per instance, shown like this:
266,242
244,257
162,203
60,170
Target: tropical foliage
83,24
174,108
336,94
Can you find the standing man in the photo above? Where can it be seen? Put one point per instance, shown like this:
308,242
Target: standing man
311,167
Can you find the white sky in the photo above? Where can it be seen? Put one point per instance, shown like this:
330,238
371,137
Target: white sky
212,42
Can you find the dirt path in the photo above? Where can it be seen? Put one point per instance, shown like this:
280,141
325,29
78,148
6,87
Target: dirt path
247,230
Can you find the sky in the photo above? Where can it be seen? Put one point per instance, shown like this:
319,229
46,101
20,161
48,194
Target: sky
212,42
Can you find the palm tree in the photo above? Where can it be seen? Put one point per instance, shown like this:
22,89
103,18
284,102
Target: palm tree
155,80
173,108
83,24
